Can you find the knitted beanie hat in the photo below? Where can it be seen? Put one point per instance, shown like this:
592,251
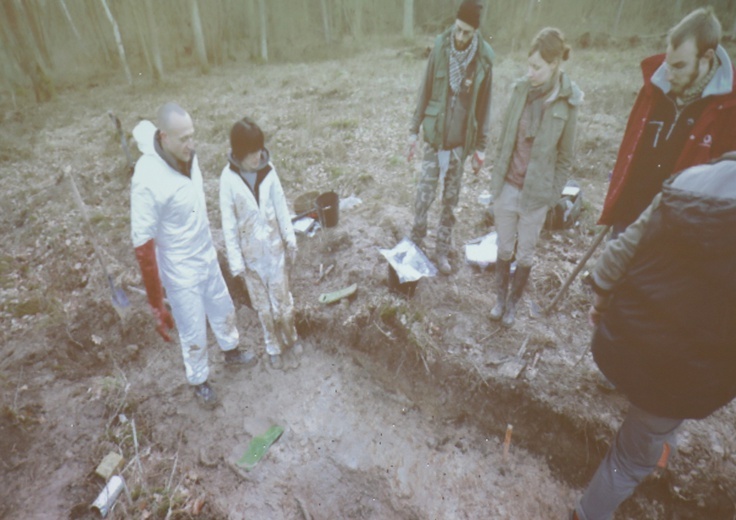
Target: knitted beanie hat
469,12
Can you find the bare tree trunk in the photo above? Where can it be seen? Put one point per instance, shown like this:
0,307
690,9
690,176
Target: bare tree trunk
678,9
27,56
199,37
158,66
358,19
253,31
30,9
326,20
96,25
119,41
11,75
262,15
618,16
408,29
69,19
140,25
521,25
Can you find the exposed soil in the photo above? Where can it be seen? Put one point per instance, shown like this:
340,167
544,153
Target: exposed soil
399,407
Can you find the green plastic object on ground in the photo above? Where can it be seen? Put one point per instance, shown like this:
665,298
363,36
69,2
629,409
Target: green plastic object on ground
258,447
334,296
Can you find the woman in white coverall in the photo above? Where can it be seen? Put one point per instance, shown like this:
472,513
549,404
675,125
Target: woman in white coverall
259,237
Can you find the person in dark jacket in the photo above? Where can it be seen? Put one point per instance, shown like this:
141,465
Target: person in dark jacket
453,111
684,115
665,303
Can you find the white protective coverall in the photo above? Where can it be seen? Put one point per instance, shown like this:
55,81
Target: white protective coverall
170,208
258,233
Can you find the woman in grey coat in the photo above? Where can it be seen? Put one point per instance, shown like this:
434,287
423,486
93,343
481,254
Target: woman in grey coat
534,161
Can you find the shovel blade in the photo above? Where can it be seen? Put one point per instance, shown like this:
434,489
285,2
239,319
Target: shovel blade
119,299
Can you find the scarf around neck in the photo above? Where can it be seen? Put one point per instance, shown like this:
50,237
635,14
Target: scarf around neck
459,61
696,91
535,98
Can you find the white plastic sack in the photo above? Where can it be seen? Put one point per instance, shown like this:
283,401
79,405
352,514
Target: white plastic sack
482,251
409,262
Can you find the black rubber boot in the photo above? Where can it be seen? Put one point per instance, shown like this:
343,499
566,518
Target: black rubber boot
521,275
502,288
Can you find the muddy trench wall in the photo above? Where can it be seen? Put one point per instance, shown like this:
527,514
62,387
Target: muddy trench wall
452,391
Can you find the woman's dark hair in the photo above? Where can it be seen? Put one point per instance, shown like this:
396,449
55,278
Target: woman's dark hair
550,42
245,138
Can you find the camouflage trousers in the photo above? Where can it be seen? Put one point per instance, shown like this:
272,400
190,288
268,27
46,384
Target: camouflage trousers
427,191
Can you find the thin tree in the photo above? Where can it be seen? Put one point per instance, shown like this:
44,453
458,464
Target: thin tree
408,28
326,25
358,19
263,17
618,16
70,20
25,51
158,66
119,41
31,12
199,37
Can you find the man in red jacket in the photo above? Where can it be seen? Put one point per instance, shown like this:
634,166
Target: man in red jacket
684,115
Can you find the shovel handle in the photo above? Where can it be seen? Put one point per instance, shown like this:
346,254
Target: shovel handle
578,268
88,225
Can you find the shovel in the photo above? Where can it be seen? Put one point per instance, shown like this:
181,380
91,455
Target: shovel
118,297
598,239
123,141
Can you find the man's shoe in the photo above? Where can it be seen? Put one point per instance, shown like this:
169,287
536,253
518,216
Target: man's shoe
275,361
205,395
443,265
239,358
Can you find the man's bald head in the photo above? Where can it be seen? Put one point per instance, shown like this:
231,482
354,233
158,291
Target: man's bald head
166,114
176,131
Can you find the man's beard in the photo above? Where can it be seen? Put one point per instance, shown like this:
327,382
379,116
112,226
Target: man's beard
462,46
690,82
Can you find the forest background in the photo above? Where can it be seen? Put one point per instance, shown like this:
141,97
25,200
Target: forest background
47,45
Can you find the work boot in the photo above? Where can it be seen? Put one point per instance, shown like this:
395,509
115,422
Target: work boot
443,264
205,395
275,361
502,288
297,349
239,358
521,275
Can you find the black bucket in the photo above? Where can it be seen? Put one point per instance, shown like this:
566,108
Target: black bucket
328,209
405,289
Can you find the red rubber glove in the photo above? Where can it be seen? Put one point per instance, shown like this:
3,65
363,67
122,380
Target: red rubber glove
146,256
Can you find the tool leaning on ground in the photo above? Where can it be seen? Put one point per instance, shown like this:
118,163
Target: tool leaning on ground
118,297
123,141
598,239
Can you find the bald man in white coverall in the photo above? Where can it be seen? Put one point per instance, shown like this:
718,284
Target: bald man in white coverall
173,245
